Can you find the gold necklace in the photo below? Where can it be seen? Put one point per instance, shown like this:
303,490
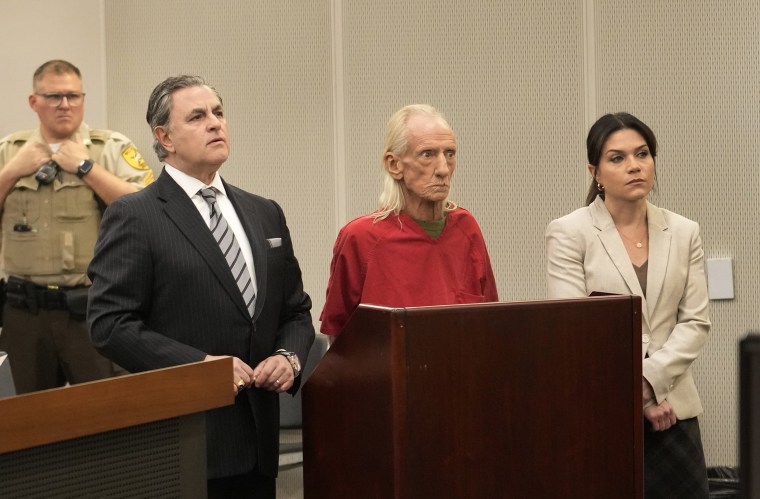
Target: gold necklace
638,244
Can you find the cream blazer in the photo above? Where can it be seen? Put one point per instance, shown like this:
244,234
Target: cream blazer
585,253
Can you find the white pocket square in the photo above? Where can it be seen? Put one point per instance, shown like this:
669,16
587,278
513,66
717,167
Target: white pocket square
275,242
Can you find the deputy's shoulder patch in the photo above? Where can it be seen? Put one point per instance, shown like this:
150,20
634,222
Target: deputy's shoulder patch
134,159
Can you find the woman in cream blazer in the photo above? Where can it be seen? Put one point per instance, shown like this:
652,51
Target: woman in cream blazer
620,243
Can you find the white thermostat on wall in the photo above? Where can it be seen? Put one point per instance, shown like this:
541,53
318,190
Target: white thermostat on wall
720,278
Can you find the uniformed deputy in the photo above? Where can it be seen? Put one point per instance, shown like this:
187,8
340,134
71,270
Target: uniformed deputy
54,183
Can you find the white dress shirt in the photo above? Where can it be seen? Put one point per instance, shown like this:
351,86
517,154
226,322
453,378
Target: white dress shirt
191,186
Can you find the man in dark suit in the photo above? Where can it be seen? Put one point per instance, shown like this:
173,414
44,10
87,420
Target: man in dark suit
164,292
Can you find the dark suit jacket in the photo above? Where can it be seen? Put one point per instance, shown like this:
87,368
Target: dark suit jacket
163,295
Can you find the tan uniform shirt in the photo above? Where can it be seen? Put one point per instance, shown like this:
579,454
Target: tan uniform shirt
49,231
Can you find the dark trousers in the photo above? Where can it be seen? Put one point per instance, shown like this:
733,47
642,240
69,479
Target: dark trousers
249,485
50,348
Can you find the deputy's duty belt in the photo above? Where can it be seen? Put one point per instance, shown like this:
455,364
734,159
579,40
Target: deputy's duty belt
27,295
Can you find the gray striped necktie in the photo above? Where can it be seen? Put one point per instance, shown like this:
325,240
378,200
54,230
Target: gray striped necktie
230,248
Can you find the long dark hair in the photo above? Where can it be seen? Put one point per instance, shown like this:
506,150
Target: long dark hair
601,131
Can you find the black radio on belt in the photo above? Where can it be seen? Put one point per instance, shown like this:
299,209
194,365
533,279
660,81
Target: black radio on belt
47,172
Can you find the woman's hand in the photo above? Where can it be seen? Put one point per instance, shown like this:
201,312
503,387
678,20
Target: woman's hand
662,416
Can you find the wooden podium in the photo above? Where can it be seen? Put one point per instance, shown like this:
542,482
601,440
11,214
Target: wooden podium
142,435
749,416
533,399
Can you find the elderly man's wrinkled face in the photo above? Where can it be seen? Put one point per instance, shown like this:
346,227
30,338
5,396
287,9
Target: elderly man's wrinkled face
428,164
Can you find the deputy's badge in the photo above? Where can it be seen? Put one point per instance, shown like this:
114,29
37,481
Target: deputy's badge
134,159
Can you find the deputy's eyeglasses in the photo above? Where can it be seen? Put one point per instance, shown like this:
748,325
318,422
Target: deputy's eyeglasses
74,99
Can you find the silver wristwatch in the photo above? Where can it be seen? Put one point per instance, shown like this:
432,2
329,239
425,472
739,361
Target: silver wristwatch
293,359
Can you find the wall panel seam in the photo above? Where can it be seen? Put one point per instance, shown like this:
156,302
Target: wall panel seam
339,138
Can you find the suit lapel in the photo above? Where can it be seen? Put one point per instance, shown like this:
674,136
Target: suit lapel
614,247
659,250
659,253
259,246
181,211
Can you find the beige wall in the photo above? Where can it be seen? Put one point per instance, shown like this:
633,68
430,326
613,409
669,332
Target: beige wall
520,81
35,31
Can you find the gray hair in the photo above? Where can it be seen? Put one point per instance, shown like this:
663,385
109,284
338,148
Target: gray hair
396,142
160,105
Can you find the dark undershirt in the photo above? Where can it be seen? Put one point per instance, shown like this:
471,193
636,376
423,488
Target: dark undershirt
641,274
434,227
